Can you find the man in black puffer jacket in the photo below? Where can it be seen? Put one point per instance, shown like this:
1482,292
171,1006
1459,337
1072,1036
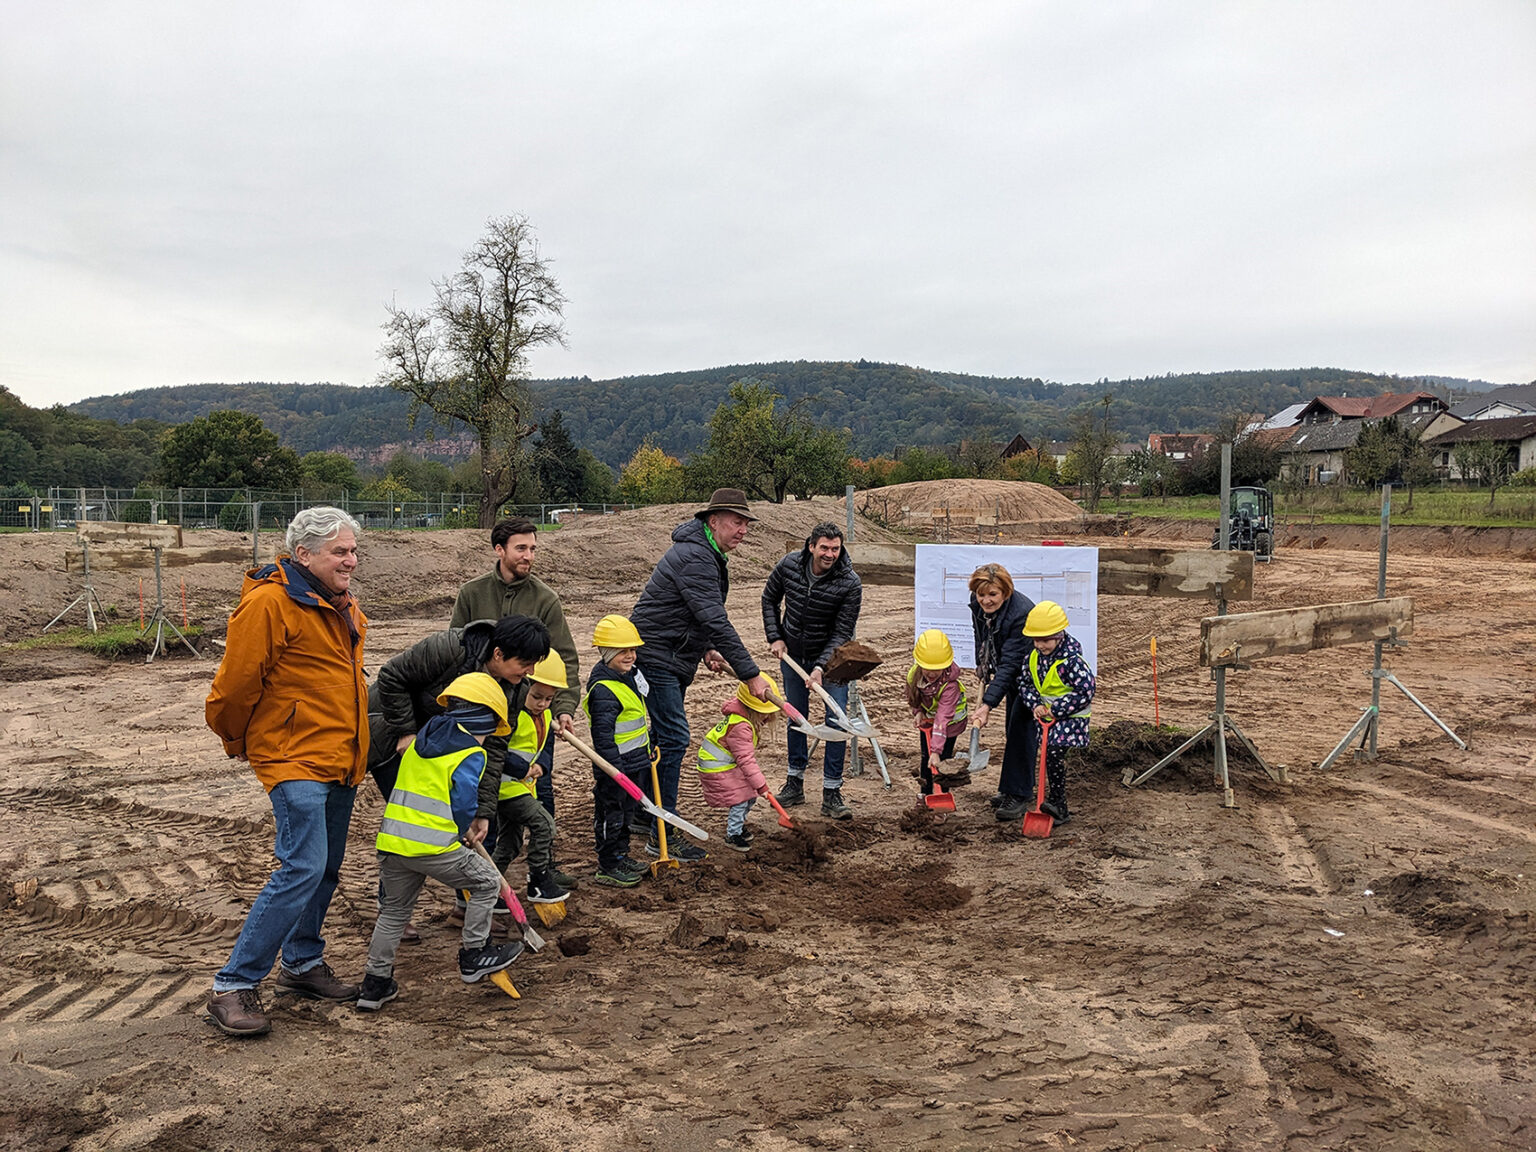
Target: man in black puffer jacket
681,618
821,595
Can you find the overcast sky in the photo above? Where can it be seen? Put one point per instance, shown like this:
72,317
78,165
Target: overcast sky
1054,188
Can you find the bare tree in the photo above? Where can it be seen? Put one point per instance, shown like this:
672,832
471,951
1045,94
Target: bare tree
465,357
1092,443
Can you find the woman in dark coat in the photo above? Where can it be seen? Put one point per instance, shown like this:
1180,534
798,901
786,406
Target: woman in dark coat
998,613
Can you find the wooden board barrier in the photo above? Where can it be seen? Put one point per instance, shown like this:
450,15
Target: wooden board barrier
1227,640
1204,574
124,534
130,558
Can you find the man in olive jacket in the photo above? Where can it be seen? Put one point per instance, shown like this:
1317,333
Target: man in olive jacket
511,589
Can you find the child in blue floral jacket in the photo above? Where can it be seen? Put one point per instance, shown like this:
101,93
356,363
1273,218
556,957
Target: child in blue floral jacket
1057,686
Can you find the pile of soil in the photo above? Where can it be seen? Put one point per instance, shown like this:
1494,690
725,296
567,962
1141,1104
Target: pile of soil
1011,501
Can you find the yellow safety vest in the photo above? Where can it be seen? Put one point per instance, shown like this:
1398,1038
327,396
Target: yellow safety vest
523,747
714,756
932,710
418,820
632,730
1052,687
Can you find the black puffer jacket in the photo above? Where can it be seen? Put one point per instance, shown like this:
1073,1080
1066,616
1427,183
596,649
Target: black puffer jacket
681,614
820,612
403,697
1001,637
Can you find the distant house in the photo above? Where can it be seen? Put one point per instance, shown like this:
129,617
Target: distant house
1336,409
1015,447
1281,419
1315,453
1179,445
1510,400
1516,433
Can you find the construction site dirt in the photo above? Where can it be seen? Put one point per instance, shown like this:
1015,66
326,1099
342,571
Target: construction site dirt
1346,961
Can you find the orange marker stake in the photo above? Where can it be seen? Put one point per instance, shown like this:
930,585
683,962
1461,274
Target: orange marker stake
1157,720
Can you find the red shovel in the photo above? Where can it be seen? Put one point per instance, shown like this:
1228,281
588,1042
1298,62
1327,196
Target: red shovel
784,820
1038,824
940,801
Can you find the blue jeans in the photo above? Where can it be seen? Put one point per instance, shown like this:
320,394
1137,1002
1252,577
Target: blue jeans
736,816
312,820
669,728
798,693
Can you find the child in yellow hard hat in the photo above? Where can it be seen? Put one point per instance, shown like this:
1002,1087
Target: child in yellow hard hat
727,757
621,735
518,810
427,822
1058,686
936,696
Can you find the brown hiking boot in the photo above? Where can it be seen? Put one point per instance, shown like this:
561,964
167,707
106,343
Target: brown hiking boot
238,1013
319,983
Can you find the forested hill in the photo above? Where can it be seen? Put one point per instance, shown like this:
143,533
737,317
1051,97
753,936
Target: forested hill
886,407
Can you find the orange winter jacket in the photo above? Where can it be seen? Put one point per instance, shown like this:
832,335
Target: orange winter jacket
290,694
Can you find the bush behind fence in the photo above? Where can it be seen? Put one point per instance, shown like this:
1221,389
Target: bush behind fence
235,509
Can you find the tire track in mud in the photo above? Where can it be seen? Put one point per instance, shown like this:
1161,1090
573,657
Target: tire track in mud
110,997
145,927
88,805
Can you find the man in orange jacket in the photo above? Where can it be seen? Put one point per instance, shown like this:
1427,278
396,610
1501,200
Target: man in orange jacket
290,697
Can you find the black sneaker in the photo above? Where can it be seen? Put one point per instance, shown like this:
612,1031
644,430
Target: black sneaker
377,992
1059,815
619,877
677,848
740,841
545,890
475,963
565,881
999,800
793,792
1013,808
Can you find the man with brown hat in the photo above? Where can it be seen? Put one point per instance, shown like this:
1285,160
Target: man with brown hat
681,618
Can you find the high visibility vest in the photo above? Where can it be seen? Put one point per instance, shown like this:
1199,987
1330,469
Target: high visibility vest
418,820
1052,686
931,710
714,756
523,747
632,730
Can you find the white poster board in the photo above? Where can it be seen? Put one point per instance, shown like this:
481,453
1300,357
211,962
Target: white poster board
1069,576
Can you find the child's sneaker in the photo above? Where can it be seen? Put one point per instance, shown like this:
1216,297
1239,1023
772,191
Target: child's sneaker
678,848
475,963
739,841
377,992
544,890
616,877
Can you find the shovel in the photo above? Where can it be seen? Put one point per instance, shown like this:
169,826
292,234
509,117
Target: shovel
784,820
859,727
940,801
508,897
629,786
978,757
1038,824
664,861
820,731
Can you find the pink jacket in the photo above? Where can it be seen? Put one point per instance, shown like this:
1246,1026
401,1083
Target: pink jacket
744,779
943,702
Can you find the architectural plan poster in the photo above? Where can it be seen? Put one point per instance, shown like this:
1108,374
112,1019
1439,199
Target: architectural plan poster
1069,576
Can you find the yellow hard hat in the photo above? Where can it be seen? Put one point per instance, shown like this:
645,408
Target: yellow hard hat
753,702
616,632
551,671
479,688
1046,619
933,650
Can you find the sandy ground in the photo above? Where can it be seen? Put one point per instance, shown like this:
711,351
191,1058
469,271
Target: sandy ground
1344,962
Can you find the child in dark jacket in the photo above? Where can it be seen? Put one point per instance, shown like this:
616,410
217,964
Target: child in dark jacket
728,769
1057,686
518,810
429,819
621,735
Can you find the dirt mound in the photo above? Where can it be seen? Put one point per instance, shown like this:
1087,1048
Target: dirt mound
1011,501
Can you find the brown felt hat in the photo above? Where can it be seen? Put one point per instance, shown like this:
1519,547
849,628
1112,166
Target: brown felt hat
727,500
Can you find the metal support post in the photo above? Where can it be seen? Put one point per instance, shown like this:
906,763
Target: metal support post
856,707
159,621
1367,729
87,596
848,495
255,533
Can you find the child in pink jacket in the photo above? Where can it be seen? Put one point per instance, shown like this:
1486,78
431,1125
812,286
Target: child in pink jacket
728,761
936,697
